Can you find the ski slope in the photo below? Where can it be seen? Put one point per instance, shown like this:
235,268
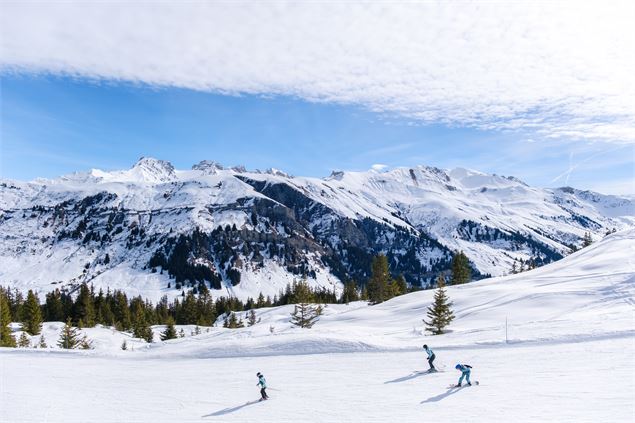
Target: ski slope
569,356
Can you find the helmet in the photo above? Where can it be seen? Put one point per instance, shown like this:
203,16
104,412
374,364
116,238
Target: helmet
425,346
258,374
457,367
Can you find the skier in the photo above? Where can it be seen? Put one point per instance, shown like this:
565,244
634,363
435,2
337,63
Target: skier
263,385
465,370
431,358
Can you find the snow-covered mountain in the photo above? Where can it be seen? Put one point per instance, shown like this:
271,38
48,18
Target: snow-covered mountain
154,230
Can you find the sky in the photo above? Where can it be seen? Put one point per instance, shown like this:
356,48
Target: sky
540,91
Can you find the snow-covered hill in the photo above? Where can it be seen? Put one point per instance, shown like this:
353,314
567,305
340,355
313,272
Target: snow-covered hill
243,232
568,357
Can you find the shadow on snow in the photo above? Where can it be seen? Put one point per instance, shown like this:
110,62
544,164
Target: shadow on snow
231,409
439,397
410,376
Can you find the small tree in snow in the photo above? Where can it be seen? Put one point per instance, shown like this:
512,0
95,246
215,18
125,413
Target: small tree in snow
170,330
587,240
124,345
439,313
24,341
305,315
42,343
251,318
69,336
85,343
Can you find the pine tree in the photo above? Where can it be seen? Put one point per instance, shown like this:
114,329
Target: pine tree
85,343
305,315
69,336
461,272
440,312
124,345
32,315
141,328
378,284
42,343
587,240
170,330
251,318
84,307
233,322
400,285
350,293
54,307
6,337
24,341
260,302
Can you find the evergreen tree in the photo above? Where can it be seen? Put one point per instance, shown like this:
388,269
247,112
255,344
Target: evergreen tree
260,302
300,292
233,322
461,272
42,342
54,309
587,240
305,315
141,328
379,283
251,318
350,293
6,337
400,285
69,336
170,330
85,343
124,345
31,314
24,341
181,333
84,307
440,312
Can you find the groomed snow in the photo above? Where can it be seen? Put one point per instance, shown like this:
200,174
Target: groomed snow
569,357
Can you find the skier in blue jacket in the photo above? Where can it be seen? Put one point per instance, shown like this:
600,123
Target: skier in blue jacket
263,385
431,358
465,370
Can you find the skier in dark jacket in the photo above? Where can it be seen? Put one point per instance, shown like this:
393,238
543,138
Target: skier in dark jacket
465,370
263,385
431,358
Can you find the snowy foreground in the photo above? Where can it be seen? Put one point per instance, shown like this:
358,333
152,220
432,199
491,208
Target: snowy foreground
569,356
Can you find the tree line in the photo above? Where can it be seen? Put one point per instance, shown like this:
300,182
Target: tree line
114,308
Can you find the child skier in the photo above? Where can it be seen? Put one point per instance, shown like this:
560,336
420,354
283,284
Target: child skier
465,370
263,385
431,358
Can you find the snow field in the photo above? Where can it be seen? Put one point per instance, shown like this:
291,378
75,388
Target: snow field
566,382
570,357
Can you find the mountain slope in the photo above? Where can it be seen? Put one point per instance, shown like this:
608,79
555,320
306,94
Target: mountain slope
246,232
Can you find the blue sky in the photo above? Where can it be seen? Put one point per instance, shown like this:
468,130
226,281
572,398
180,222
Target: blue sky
56,125
539,90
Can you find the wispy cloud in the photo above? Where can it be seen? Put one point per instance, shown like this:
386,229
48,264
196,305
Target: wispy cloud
559,69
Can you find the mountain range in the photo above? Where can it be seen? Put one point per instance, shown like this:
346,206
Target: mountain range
153,230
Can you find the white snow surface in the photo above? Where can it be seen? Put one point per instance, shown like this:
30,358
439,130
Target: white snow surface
567,354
